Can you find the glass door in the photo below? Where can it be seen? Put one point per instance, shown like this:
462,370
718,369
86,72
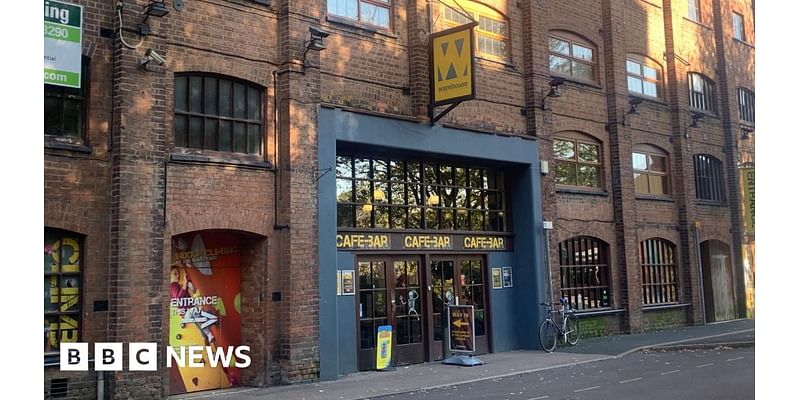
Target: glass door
458,280
390,293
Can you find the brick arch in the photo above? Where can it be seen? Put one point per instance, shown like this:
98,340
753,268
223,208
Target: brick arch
578,133
55,218
180,224
670,235
721,234
258,76
570,229
713,151
568,27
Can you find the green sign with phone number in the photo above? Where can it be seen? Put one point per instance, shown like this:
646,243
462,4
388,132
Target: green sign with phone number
63,34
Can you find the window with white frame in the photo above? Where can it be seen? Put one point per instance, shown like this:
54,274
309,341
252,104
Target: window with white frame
372,12
644,77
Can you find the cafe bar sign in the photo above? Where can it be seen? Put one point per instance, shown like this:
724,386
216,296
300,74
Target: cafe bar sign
410,241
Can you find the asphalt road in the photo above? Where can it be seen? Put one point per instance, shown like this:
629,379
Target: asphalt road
721,373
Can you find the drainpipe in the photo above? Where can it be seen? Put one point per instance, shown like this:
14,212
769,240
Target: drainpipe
101,387
700,270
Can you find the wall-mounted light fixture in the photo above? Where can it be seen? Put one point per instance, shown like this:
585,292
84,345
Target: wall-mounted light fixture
634,103
697,116
151,55
155,8
746,134
554,84
316,42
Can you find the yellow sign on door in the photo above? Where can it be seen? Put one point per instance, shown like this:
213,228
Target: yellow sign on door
452,65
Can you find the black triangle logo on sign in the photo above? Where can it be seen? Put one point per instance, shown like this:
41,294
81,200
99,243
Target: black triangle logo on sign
439,72
444,48
459,46
451,73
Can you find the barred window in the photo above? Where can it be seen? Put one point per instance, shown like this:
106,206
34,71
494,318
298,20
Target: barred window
572,57
650,172
702,93
644,77
583,265
218,113
578,162
709,182
62,288
373,12
492,30
659,272
747,105
411,194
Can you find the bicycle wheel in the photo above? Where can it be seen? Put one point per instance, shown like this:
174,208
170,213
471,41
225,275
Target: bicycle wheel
572,330
547,335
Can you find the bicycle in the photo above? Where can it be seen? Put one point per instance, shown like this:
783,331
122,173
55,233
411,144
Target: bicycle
568,328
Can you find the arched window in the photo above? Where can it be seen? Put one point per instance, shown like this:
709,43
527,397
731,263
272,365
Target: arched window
63,264
218,113
650,170
583,266
708,178
491,33
644,76
572,56
659,272
578,160
702,94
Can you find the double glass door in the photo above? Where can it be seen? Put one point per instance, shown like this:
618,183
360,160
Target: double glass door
458,281
390,293
411,293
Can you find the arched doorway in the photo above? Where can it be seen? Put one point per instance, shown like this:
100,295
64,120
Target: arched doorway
717,281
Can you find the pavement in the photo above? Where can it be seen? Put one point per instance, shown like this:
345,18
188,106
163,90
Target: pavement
428,376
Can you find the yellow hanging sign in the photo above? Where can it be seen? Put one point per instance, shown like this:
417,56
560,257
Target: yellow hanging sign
452,78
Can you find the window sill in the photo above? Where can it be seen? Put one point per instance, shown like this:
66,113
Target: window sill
575,190
707,113
646,197
751,126
743,43
497,63
599,312
59,143
578,82
668,306
700,24
360,27
211,159
710,203
651,100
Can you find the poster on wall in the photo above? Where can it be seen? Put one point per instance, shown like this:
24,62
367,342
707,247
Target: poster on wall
63,33
749,198
338,283
497,282
205,307
508,280
348,282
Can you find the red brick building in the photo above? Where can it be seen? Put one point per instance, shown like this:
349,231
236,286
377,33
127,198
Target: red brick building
208,175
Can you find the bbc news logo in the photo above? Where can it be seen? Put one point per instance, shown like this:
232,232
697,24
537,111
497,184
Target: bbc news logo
143,356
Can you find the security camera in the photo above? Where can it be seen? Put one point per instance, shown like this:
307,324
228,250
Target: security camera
318,32
155,57
635,101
